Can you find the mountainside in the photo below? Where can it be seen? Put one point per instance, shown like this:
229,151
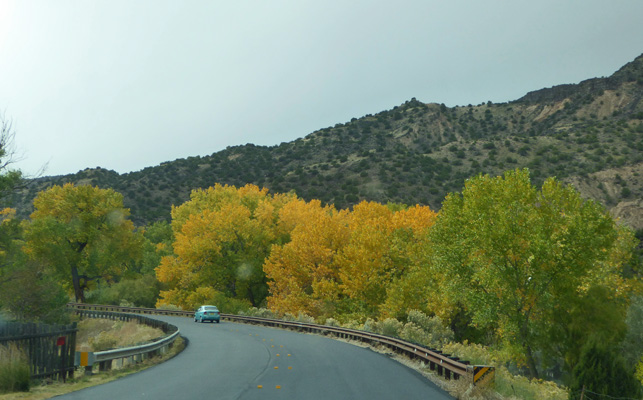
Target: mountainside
588,134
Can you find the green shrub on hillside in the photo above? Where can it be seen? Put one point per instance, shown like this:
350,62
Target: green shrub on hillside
438,333
138,292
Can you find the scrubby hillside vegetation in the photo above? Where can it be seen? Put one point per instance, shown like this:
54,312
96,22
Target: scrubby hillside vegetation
588,134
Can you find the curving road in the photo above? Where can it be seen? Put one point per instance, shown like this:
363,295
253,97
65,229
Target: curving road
238,361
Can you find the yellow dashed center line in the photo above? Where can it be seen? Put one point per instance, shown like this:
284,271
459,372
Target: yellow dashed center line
275,367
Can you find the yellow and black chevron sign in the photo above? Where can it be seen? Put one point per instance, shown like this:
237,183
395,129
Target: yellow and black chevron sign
483,375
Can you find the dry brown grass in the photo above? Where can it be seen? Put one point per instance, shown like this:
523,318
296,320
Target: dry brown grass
103,334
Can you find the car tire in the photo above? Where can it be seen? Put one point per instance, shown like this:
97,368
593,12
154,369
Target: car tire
218,321
201,319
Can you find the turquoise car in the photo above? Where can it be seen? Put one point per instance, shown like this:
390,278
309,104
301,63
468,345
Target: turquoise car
207,313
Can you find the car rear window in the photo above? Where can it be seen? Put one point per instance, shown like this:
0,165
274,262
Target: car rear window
211,309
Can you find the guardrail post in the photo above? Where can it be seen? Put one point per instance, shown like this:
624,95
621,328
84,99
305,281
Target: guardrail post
105,365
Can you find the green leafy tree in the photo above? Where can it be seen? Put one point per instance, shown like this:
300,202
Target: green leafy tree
601,372
138,285
26,292
10,243
82,234
572,326
142,291
632,346
29,294
158,244
519,257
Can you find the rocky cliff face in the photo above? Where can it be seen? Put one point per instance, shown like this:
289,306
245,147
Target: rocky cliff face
607,187
630,72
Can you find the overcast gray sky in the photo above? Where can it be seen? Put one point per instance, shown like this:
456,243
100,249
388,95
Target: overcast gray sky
127,84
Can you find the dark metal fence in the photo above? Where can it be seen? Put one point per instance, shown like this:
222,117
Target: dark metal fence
50,349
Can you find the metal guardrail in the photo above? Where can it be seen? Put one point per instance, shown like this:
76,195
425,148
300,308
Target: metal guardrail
137,353
445,365
110,355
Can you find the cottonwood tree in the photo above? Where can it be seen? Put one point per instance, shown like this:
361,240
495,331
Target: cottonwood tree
379,251
82,234
518,257
303,273
342,262
222,235
10,242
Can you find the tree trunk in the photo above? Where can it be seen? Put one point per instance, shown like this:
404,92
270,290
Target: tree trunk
79,293
525,339
531,363
251,296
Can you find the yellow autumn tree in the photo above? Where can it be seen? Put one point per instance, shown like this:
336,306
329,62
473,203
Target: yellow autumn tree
381,249
365,263
303,274
341,263
222,235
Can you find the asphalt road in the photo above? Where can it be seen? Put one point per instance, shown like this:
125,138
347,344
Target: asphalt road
238,361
